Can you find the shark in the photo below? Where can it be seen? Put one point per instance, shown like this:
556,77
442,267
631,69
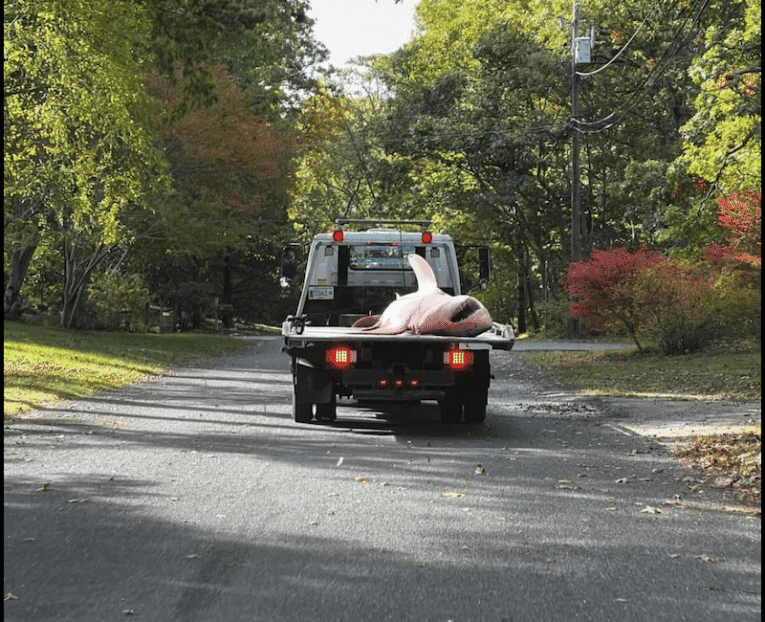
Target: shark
429,310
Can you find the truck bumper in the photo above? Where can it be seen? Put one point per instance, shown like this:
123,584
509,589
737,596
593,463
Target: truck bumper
387,386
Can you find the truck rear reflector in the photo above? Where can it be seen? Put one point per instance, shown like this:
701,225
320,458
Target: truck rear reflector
458,359
341,357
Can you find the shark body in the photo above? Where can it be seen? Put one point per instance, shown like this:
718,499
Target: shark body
429,310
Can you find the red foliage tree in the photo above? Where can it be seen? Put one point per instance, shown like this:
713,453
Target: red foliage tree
605,288
741,214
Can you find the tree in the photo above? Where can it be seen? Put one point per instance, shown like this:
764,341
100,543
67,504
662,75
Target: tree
78,142
82,173
722,141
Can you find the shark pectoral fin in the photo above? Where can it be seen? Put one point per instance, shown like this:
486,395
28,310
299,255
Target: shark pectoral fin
366,322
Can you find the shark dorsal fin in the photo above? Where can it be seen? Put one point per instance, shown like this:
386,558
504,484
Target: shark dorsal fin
426,279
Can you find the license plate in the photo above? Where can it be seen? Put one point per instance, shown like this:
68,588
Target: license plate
321,293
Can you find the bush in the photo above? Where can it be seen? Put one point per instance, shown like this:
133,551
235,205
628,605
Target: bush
605,289
650,296
118,301
736,296
674,298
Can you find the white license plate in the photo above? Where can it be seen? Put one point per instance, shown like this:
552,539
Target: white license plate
321,293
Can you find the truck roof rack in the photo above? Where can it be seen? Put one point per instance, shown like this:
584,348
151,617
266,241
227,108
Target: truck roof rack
362,221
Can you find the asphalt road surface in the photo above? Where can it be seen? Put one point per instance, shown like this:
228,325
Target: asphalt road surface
195,497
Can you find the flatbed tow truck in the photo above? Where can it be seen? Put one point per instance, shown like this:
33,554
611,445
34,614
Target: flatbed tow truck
352,275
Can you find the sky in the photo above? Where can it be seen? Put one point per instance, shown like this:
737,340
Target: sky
351,28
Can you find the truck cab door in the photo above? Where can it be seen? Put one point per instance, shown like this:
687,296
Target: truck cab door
290,256
475,267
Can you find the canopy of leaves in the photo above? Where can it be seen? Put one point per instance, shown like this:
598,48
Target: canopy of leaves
78,144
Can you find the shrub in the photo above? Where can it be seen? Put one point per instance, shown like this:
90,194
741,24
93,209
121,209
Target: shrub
736,297
118,300
673,299
605,289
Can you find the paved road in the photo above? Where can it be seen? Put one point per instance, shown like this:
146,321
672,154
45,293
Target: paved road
194,497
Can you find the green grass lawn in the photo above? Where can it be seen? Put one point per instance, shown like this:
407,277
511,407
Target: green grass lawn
45,365
710,376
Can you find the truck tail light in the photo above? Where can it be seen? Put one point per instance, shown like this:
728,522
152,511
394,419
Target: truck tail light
427,237
337,235
458,359
341,357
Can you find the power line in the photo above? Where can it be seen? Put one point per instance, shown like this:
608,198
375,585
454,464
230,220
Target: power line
588,127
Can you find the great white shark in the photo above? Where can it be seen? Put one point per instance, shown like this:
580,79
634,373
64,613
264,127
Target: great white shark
429,310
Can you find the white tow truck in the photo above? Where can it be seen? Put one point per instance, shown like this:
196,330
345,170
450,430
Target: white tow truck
352,275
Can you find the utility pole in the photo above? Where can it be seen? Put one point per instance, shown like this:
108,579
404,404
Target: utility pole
576,221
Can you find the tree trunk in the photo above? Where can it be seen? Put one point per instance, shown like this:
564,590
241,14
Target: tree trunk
76,279
521,288
18,268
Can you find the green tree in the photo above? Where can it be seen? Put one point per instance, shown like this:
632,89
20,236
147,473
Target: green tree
722,141
78,141
481,98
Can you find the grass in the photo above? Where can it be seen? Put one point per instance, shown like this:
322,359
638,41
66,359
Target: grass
709,376
45,365
727,460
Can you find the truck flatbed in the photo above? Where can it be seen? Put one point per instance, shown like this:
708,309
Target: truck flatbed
500,337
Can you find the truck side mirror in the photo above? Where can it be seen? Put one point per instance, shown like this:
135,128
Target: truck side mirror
289,265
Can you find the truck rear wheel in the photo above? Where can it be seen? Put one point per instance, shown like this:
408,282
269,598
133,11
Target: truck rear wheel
302,412
326,413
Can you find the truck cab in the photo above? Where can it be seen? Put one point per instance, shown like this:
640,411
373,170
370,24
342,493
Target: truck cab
355,274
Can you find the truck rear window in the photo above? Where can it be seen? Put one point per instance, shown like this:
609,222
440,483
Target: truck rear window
380,257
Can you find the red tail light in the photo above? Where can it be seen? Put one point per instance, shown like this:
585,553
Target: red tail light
427,237
337,235
341,357
458,359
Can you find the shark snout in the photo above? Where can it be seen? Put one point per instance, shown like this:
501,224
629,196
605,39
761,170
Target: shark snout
462,316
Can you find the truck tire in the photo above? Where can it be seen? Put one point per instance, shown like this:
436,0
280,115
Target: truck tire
327,413
302,412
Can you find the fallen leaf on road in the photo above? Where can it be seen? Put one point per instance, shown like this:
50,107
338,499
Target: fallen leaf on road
193,556
128,612
339,462
723,482
451,494
10,596
45,488
479,470
363,479
565,484
706,558
649,509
